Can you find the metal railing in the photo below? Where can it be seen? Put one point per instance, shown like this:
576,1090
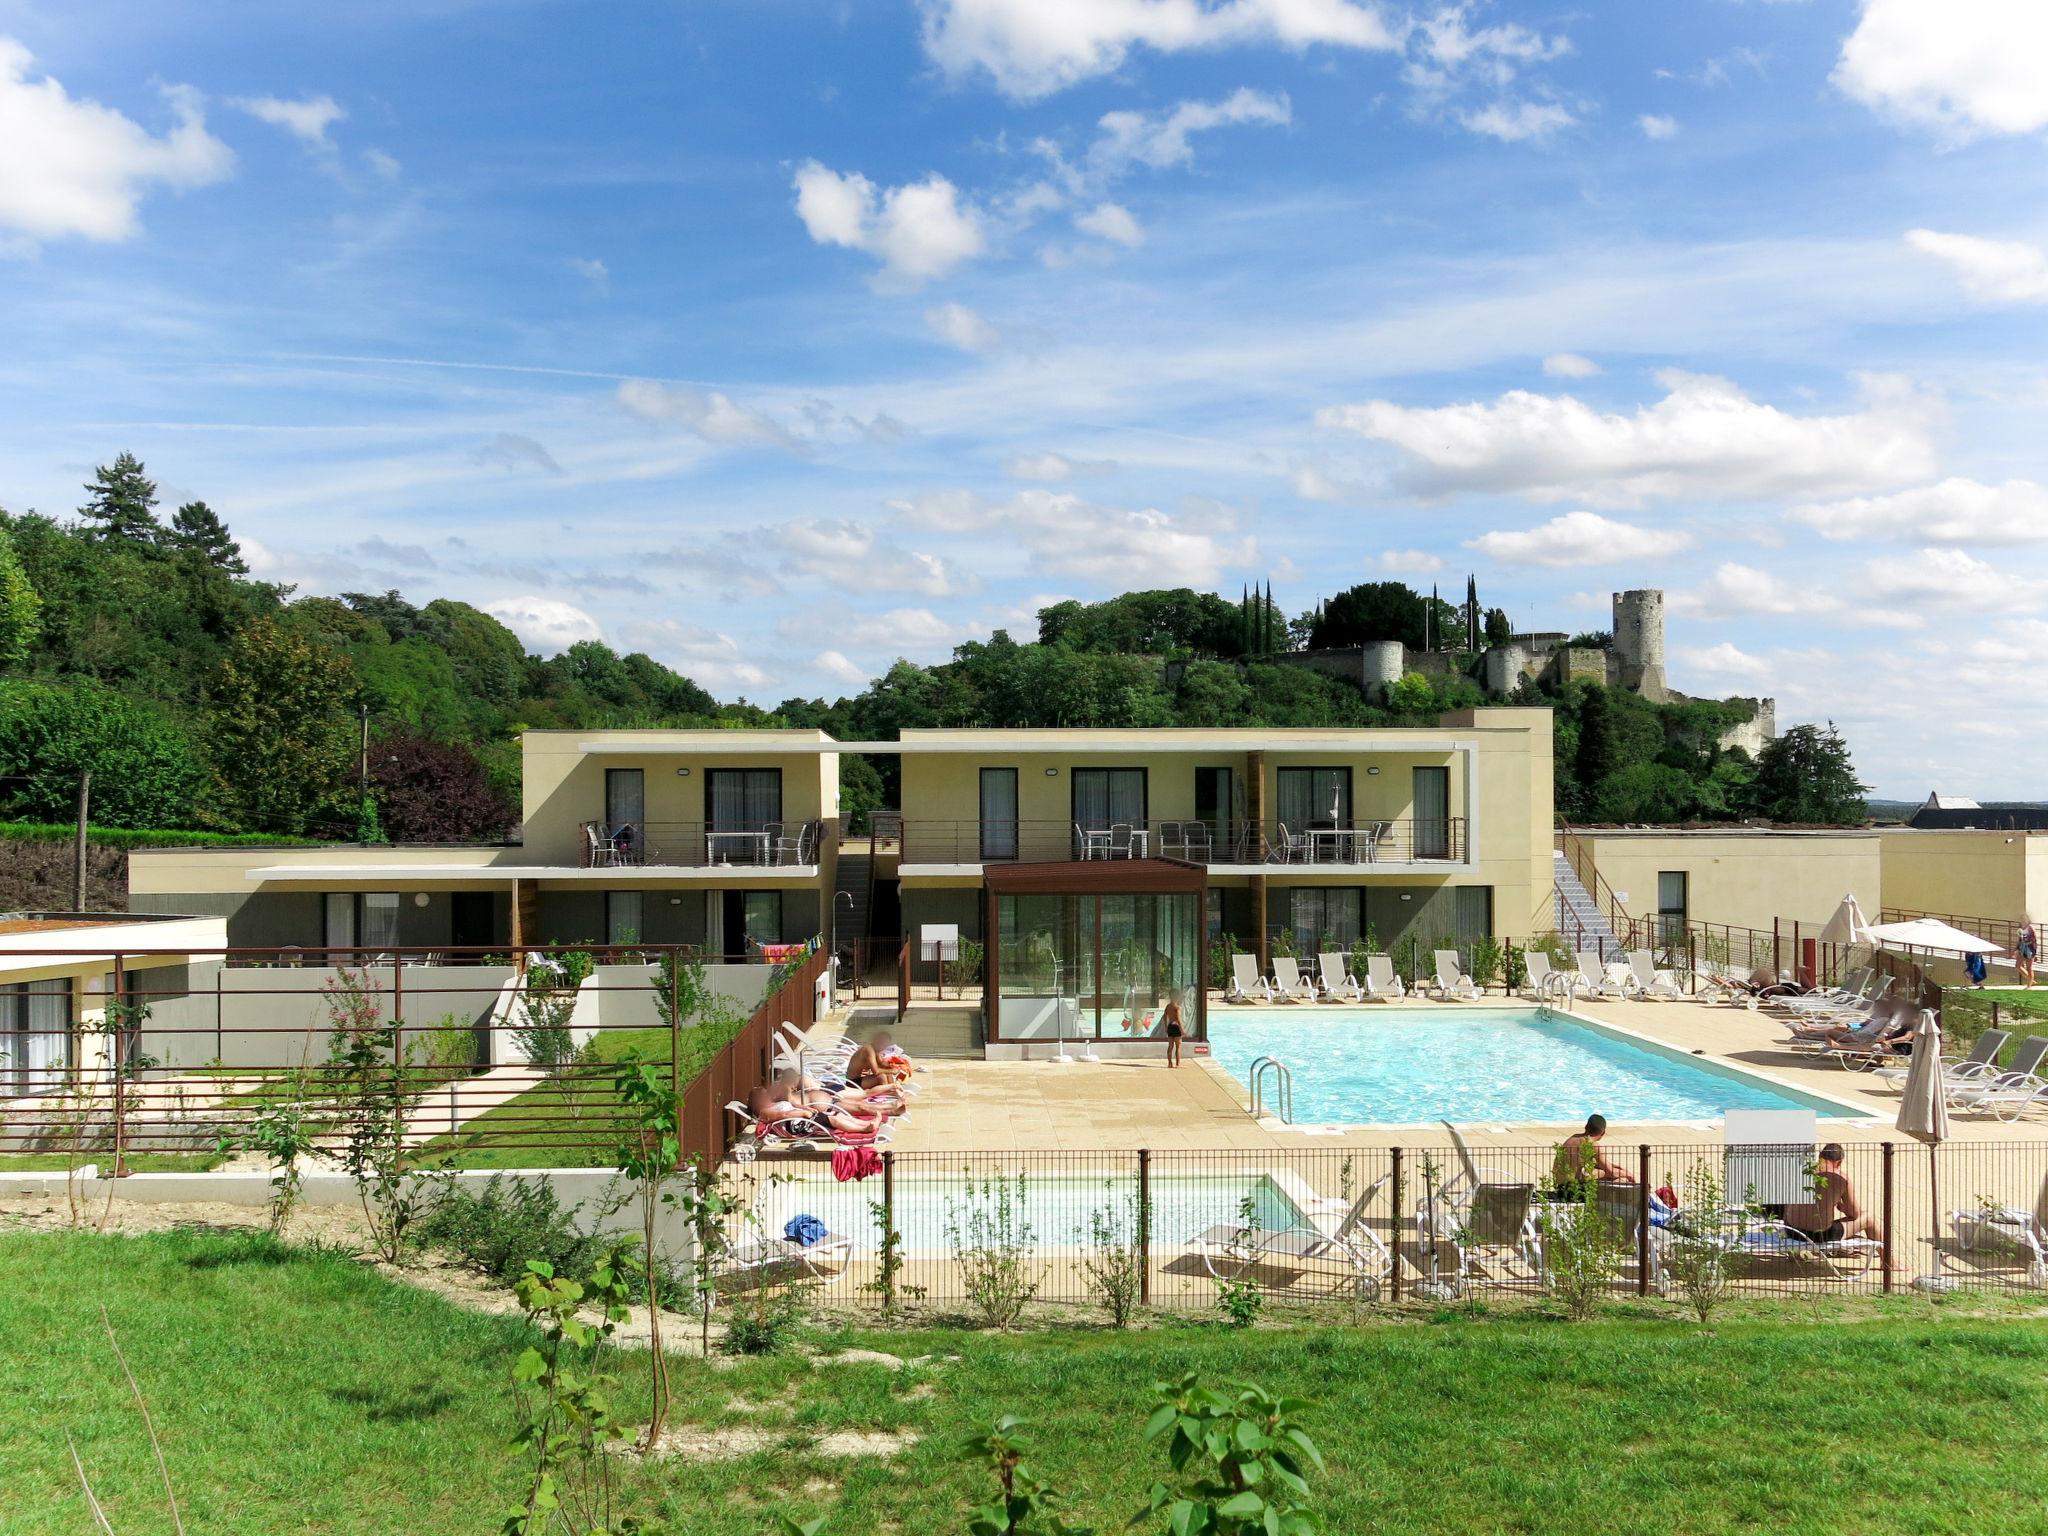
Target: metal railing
699,844
1350,844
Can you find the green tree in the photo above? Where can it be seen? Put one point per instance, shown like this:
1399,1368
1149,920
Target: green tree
21,610
197,528
281,729
120,505
1373,610
144,771
1805,775
1498,630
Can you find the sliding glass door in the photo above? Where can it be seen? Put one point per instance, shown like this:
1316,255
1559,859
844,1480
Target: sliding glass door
743,799
1432,813
1313,797
1105,796
998,813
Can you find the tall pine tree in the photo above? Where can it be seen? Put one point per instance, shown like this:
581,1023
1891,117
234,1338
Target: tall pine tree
198,528
120,505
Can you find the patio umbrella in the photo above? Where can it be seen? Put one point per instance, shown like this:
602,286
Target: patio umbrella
1847,926
1923,1110
1930,933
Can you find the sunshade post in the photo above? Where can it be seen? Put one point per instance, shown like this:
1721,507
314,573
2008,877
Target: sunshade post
1145,1226
1643,1219
1884,1236
1395,1233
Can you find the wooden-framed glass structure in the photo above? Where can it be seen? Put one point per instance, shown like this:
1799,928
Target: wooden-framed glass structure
1095,949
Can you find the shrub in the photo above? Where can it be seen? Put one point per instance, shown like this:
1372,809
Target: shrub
1115,1263
1487,956
991,1240
767,1323
507,1223
1695,1254
1583,1252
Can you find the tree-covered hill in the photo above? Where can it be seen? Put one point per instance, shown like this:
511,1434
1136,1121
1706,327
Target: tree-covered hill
139,646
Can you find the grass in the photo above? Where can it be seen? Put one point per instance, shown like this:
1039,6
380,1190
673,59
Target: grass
298,1391
536,1115
135,837
1966,1014
103,1157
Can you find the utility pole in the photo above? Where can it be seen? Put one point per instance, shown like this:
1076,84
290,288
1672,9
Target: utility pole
78,841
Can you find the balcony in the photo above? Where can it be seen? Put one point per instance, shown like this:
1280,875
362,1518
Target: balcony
1347,845
700,845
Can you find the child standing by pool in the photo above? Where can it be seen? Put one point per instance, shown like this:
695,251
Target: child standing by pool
1170,1017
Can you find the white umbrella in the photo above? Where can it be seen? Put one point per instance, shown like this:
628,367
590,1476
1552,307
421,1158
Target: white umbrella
1923,1110
1847,926
1930,934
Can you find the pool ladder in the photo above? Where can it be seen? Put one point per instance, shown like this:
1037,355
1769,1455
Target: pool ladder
1283,1088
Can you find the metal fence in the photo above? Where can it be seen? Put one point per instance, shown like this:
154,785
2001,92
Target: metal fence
478,1058
1376,1225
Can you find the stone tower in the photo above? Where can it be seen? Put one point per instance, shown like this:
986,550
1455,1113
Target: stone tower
1639,643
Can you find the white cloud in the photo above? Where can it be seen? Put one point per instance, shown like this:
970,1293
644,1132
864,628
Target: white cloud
1410,562
713,660
2001,271
591,270
1569,365
1031,48
1704,439
1512,122
1657,127
1063,535
1054,466
1311,484
900,631
707,414
1735,590
1942,579
1162,139
306,119
1112,221
546,624
1581,538
918,231
827,548
1964,68
1725,660
959,326
1956,511
74,167
838,666
384,164
511,450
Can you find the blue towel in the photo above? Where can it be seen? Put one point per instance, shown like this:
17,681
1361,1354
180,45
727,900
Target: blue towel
1974,965
805,1231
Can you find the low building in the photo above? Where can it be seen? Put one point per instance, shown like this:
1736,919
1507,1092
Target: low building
1738,877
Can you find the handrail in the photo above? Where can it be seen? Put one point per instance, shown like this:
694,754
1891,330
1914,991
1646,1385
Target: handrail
1283,1081
1579,854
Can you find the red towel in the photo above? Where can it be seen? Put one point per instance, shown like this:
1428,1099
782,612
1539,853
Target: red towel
855,1163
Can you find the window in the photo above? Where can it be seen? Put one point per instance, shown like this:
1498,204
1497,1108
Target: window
341,920
1313,797
743,799
1316,913
762,914
35,1035
1472,911
998,813
363,921
622,918
1105,796
1672,891
625,798
1432,813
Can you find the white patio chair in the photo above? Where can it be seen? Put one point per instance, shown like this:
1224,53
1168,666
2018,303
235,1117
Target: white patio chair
1288,982
1121,838
1245,981
1594,977
1336,983
1649,981
1535,974
1233,1250
1382,982
1451,980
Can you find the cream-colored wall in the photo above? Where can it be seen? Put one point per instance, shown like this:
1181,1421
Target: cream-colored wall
1744,879
225,871
562,786
1966,874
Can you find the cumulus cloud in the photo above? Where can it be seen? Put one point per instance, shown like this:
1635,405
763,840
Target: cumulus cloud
1725,660
1312,484
705,656
1063,535
1512,122
896,632
707,414
1705,439
510,450
827,548
1159,140
1955,511
1410,562
841,668
1735,590
959,326
1944,579
306,119
546,624
919,231
1112,222
1965,69
1999,271
1657,127
591,270
1569,365
74,167
1054,467
1581,538
1031,48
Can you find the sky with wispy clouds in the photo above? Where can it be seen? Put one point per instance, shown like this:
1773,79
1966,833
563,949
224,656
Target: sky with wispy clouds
779,338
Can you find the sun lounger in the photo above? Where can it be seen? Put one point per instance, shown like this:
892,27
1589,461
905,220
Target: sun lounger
1649,981
1595,977
765,1260
1990,1231
1336,983
1536,974
1482,1212
1382,982
1980,1067
1853,1034
1744,1235
1246,984
797,1134
1233,1250
1451,980
1289,985
2009,1094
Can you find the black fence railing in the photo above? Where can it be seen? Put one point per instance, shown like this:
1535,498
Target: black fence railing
1357,843
699,844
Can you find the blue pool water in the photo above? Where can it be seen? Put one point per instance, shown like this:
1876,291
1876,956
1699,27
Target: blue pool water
1502,1066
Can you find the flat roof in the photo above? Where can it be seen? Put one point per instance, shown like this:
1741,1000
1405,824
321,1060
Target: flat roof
58,922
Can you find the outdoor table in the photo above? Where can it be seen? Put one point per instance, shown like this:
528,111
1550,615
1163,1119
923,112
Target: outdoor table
1340,841
758,841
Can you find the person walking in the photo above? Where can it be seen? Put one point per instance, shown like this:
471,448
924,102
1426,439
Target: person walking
2024,948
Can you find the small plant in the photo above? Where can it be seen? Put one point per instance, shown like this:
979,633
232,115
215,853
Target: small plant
991,1238
1220,953
889,1263
501,1226
1283,941
366,1072
649,1157
1240,1297
1115,1262
1024,1506
1242,1458
1487,958
965,970
768,1324
548,1007
283,1132
1696,1253
1583,1252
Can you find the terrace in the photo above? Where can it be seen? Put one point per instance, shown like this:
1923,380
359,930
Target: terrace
1225,845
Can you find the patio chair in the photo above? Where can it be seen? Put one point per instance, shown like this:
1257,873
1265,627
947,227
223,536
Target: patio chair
797,1134
1536,972
1246,983
1382,982
1860,1032
1980,1067
1500,1221
1172,835
1594,977
1232,1250
2008,1095
599,846
1880,1042
1290,847
1289,985
1744,1235
1121,839
1992,1229
761,1260
1196,845
1854,990
1372,836
1335,982
1451,980
1649,981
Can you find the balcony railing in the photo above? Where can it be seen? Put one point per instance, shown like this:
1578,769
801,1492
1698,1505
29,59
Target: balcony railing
1351,843
699,844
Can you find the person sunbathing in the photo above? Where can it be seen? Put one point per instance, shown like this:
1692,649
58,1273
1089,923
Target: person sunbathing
790,1118
799,1088
1833,1213
879,1063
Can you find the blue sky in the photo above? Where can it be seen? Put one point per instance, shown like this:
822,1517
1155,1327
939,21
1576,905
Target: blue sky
782,338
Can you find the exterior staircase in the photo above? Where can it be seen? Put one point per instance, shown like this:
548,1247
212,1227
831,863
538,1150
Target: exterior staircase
1579,918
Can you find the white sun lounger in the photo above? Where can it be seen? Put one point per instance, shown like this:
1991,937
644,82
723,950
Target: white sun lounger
1451,980
1535,974
1382,982
1231,1250
1289,985
1246,984
1337,983
1594,978
1651,982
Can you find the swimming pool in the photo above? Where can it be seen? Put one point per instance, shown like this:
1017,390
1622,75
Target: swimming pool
1477,1065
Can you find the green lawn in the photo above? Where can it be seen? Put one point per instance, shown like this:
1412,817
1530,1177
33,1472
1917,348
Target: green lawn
542,1117
299,1392
103,1158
